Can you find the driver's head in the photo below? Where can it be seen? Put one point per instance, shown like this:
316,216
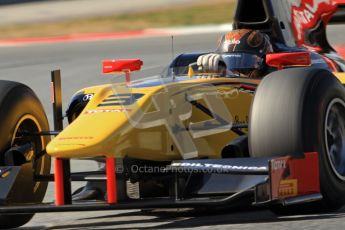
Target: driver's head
244,50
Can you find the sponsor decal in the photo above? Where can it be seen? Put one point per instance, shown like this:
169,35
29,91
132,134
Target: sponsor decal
95,111
227,94
238,121
307,16
288,188
75,138
232,55
74,144
278,164
87,97
217,166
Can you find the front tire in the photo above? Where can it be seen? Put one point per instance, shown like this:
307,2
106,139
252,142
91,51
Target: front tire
21,111
292,113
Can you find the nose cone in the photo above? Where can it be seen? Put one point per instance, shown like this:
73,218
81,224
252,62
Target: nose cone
89,135
102,126
98,129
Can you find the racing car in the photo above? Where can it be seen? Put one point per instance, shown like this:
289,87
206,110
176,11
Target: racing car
191,138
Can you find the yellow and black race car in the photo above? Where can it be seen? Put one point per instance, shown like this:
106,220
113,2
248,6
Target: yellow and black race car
233,127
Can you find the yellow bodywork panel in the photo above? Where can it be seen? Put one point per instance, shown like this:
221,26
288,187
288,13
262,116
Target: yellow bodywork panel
341,77
160,122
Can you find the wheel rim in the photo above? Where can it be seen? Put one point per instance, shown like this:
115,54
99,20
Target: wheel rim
335,136
30,124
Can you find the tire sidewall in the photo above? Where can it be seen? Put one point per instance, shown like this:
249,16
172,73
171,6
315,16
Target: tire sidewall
17,101
320,94
288,118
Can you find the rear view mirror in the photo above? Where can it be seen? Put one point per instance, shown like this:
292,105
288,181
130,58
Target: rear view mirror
122,65
282,60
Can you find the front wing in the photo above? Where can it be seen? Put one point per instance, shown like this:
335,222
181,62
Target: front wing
195,183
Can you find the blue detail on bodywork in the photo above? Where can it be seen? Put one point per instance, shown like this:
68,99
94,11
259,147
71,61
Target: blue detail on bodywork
157,82
121,99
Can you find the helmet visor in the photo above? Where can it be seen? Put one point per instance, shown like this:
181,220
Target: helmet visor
242,61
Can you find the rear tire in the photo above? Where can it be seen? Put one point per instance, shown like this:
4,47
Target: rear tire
292,112
21,110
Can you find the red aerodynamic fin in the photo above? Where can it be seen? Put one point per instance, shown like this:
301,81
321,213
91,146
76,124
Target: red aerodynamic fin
341,50
307,16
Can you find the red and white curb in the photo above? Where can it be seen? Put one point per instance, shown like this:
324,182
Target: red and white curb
78,38
159,32
148,33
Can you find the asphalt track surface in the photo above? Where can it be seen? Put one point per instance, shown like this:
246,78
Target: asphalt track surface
81,66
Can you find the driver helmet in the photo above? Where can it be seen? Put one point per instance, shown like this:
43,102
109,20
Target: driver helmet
243,51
